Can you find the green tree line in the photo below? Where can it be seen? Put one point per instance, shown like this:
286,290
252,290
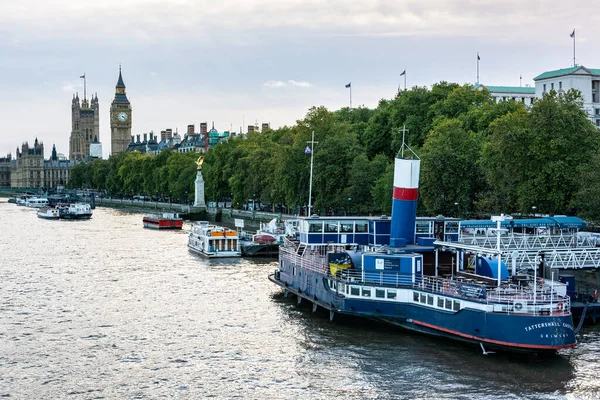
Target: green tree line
477,156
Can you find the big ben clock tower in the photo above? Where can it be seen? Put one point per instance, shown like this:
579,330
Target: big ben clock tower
120,119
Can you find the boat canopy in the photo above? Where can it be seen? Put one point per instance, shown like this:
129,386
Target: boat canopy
562,222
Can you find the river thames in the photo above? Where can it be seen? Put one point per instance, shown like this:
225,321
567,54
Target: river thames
104,309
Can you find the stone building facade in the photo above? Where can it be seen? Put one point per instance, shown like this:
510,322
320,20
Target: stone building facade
30,170
5,164
85,127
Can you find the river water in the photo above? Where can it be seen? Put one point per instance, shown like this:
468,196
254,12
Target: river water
104,309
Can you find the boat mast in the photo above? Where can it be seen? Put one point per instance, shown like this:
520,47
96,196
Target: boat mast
311,149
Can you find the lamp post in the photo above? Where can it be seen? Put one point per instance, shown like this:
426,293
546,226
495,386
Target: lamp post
533,208
457,209
185,199
349,209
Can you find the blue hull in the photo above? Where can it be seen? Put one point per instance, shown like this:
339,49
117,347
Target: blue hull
513,332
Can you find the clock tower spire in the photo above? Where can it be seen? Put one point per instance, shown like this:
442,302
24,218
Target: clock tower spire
120,118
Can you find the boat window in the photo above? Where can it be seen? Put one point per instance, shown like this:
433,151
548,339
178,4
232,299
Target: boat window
316,227
456,305
430,299
380,293
347,289
451,227
354,291
366,292
441,302
391,294
331,227
415,296
362,227
422,227
423,298
341,287
346,227
449,304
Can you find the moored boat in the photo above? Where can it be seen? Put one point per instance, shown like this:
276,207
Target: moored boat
75,211
36,202
266,241
375,268
48,213
213,241
163,221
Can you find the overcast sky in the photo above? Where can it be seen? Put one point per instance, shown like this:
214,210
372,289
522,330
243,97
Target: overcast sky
235,62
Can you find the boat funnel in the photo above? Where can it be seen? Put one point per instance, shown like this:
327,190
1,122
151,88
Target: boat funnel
404,203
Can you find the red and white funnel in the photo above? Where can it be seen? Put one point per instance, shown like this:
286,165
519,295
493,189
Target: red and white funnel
404,205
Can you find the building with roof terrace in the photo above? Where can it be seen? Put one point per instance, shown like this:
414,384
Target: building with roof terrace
586,80
524,94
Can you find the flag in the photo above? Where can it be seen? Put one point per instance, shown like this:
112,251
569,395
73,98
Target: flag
478,58
82,76
572,34
403,73
307,151
348,85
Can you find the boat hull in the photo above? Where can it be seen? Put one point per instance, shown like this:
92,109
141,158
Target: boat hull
260,250
153,223
75,216
509,332
218,254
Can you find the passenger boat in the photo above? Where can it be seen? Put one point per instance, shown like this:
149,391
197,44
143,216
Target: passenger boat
75,211
406,272
266,241
36,202
48,213
163,221
213,241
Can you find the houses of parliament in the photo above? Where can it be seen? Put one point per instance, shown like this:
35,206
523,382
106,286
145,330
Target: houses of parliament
29,169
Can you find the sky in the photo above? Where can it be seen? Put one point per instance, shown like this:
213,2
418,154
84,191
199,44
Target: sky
236,62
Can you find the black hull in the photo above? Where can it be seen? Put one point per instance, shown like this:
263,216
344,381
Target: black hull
260,250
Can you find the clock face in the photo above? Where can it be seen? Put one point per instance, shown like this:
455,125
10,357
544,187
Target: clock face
122,116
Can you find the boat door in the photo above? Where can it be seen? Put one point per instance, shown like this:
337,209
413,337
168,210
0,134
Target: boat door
438,229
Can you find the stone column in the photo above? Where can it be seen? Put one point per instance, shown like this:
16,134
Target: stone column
199,200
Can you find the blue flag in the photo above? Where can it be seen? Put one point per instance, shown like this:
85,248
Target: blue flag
348,85
307,151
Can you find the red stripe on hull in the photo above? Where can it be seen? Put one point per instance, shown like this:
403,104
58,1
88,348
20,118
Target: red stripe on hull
405,194
498,342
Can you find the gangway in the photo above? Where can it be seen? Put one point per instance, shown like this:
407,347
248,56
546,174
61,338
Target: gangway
517,241
559,257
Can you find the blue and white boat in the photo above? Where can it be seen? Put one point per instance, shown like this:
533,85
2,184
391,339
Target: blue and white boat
405,272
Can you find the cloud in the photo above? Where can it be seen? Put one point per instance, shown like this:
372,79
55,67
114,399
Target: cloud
291,82
197,20
302,84
275,84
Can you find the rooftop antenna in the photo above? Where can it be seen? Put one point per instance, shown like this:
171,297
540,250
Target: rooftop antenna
404,145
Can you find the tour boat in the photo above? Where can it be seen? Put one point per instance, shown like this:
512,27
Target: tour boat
413,273
213,241
75,211
48,213
163,221
36,202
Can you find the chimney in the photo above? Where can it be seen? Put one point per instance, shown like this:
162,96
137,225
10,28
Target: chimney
138,137
145,137
404,202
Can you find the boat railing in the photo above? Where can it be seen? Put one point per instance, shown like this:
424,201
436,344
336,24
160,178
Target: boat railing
506,298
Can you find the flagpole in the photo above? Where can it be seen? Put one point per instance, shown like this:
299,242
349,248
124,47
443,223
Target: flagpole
350,99
574,64
312,151
405,80
478,67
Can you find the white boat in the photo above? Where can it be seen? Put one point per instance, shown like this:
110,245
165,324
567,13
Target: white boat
36,202
75,211
48,213
22,200
213,241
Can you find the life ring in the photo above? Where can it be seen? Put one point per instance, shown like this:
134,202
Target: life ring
559,306
447,286
596,293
